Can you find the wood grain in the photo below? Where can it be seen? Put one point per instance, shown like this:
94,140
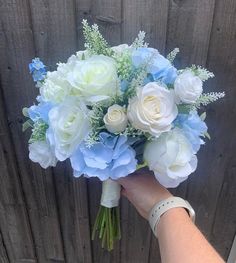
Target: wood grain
47,216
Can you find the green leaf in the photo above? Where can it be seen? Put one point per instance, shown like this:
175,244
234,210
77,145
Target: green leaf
203,116
25,112
26,125
184,108
207,135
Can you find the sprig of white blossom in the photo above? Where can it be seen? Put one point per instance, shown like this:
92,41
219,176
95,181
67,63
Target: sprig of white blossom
207,98
94,41
140,40
199,71
172,55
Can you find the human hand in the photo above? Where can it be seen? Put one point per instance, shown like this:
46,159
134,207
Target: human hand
143,191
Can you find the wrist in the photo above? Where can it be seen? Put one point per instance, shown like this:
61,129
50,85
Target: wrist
161,208
178,215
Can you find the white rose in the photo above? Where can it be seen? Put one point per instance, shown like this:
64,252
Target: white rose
69,125
115,119
121,48
153,109
95,78
171,158
55,87
188,87
41,152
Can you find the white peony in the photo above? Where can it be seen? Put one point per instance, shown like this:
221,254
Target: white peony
55,87
95,78
153,109
42,153
69,125
188,87
171,158
115,119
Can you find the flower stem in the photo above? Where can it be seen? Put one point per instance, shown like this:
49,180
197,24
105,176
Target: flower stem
107,224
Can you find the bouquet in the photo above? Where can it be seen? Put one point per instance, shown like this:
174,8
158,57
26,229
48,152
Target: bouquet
112,110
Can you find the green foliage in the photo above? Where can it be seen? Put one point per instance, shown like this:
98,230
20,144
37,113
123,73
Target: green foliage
97,124
38,131
94,41
124,64
27,124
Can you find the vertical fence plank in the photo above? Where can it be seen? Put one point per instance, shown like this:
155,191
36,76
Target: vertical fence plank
17,88
55,37
222,61
14,222
3,253
189,28
150,16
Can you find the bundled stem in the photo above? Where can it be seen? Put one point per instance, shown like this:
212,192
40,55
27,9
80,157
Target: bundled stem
107,224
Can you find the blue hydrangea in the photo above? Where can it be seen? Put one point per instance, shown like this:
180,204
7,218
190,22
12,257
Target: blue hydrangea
112,157
37,69
193,127
160,68
40,111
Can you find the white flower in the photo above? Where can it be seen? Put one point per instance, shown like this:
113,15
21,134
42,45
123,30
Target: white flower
41,152
121,48
188,87
95,78
171,158
153,109
69,125
115,119
55,88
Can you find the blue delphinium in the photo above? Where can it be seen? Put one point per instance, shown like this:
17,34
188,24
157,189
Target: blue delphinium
37,69
112,157
193,127
159,68
40,111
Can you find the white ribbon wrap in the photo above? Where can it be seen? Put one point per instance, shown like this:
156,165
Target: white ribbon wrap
110,193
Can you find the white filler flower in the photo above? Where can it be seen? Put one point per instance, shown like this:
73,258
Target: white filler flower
69,125
55,88
41,152
115,119
171,158
188,87
153,109
95,78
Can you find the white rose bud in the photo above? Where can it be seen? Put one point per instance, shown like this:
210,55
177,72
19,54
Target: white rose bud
115,119
188,87
41,152
171,158
153,109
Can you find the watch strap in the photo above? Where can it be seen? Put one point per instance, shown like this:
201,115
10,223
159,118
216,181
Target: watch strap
160,208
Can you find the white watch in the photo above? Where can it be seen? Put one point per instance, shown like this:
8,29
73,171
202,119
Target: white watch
160,208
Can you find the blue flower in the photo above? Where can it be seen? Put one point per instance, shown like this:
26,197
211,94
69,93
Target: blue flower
193,128
40,111
37,69
160,67
112,157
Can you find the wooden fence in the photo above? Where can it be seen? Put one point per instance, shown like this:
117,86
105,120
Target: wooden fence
46,216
